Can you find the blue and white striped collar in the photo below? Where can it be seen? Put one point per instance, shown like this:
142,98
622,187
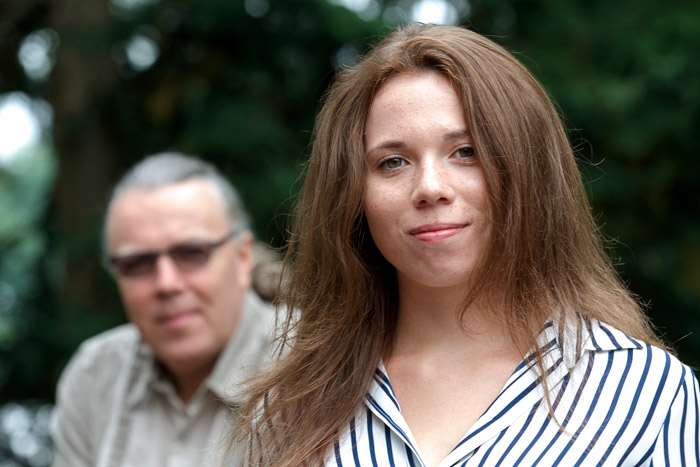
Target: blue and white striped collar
603,338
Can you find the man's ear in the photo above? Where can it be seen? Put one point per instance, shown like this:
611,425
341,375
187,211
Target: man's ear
245,258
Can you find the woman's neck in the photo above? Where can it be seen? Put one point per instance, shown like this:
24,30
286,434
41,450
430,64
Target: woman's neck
434,321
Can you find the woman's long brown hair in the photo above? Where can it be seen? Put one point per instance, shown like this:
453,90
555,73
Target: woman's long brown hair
545,254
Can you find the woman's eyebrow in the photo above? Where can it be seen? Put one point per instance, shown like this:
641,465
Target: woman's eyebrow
390,144
398,144
457,134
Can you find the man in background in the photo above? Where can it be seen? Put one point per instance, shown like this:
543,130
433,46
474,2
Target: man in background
150,393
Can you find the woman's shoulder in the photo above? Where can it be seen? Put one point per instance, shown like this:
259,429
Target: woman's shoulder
645,367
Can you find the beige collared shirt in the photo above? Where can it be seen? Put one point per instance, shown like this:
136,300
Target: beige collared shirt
116,408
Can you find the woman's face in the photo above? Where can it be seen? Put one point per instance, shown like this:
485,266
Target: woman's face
426,200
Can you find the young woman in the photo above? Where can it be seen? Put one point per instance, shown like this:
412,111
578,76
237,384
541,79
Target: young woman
452,302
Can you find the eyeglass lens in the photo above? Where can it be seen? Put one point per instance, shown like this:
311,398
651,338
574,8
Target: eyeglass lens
187,256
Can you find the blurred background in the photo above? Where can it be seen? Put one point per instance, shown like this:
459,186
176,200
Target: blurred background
88,87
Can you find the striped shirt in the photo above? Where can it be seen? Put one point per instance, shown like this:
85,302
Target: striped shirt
621,402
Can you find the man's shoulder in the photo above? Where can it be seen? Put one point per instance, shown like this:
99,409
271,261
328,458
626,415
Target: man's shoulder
261,313
113,339
110,348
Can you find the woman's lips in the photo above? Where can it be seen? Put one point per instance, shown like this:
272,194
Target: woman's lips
432,233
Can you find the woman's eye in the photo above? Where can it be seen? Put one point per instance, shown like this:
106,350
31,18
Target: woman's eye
465,153
392,163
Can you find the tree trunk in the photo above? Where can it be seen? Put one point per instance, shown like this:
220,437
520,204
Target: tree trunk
83,78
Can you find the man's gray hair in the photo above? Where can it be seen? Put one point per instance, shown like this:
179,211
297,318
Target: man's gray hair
167,168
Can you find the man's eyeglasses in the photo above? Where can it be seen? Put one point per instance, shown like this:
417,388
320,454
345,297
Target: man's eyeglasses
187,256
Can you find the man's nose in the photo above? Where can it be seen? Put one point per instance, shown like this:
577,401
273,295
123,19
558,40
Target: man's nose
432,185
167,276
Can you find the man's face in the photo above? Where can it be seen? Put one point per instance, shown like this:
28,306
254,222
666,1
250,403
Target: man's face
186,315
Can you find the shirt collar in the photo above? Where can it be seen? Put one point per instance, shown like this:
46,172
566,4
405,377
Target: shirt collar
245,348
567,337
144,372
604,338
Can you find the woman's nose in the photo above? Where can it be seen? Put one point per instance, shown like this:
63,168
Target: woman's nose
432,185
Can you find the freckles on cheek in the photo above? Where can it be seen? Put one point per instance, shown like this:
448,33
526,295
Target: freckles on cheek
374,209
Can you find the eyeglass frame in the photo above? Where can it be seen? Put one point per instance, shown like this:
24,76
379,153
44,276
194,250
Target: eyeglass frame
112,261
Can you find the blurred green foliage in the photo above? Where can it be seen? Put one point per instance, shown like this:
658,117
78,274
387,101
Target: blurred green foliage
24,185
625,77
238,83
